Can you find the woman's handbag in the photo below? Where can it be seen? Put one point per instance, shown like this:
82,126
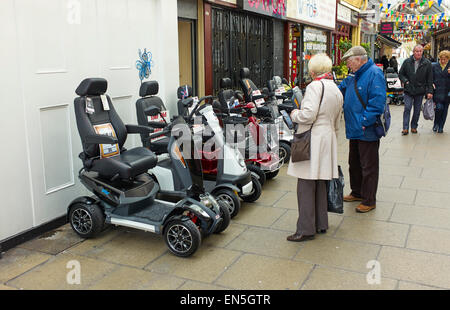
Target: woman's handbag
335,194
301,145
428,110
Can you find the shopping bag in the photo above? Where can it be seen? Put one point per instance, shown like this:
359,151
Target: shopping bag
335,193
428,110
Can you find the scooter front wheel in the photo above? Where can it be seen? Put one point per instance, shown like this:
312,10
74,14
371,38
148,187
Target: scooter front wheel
182,237
86,220
256,191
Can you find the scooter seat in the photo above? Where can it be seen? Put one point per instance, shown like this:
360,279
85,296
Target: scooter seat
128,164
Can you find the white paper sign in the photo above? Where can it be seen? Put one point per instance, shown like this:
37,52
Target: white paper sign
258,102
158,118
107,150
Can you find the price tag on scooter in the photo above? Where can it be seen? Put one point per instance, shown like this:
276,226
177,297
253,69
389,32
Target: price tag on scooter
258,102
105,102
89,106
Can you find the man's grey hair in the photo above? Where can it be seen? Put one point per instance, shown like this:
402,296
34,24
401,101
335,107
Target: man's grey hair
418,45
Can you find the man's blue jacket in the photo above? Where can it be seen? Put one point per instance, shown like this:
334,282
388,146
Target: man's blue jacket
372,88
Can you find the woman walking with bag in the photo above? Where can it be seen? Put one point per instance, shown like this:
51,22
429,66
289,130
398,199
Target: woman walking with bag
320,112
441,83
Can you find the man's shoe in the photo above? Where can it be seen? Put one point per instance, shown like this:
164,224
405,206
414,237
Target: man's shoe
404,132
413,130
299,238
351,198
364,209
321,231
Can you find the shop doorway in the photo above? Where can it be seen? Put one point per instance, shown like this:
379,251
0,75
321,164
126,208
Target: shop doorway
187,53
241,40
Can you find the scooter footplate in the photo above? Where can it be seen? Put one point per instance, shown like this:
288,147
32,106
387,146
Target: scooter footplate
154,213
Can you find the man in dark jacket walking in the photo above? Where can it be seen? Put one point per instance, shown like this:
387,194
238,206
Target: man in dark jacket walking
417,77
367,83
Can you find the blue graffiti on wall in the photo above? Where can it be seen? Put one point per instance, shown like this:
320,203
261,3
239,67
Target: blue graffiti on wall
144,64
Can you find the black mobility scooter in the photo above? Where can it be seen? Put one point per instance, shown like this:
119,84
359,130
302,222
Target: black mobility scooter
124,193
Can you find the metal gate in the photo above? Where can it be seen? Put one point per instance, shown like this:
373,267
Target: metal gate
241,40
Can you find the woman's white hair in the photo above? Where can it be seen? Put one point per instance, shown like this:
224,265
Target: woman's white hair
320,64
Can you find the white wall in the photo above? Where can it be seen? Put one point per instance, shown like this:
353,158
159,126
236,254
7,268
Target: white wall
47,48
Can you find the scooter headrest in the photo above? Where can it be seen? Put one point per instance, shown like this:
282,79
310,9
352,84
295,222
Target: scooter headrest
225,83
92,87
245,73
149,88
184,91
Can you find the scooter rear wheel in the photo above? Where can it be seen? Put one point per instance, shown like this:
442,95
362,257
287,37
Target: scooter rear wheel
86,220
182,237
259,172
226,217
230,198
285,151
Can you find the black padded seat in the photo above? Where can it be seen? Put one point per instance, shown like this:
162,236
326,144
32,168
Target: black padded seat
128,163
248,87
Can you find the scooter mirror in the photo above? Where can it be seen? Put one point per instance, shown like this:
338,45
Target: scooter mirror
152,111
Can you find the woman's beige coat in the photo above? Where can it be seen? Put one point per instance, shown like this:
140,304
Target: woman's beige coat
324,162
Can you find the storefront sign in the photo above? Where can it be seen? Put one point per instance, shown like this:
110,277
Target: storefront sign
315,12
344,14
274,8
387,28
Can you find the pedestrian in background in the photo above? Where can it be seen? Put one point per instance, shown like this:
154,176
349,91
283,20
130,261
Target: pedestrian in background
441,84
360,117
393,63
321,109
416,75
385,62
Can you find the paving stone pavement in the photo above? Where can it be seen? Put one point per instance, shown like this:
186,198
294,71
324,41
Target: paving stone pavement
408,234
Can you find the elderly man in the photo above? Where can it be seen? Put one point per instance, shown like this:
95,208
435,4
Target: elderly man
364,100
416,74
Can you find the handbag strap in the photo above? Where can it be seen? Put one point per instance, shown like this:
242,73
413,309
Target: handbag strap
320,103
359,95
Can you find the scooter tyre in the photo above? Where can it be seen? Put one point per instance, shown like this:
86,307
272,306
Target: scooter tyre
193,231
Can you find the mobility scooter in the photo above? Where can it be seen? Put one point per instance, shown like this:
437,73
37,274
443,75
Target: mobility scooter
268,108
260,142
227,180
124,193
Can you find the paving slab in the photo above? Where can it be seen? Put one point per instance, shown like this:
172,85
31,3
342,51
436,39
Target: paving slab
258,215
266,242
206,265
256,272
54,273
18,261
132,248
415,266
432,217
334,279
54,242
338,253
127,278
377,232
429,239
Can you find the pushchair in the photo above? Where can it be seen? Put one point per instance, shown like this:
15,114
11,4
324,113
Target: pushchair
394,89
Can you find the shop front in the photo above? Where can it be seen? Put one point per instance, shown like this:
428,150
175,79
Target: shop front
308,33
239,35
441,41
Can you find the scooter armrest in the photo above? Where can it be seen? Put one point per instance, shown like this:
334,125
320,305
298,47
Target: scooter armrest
100,139
139,129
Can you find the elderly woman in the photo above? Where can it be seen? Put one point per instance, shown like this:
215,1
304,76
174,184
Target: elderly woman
312,174
441,83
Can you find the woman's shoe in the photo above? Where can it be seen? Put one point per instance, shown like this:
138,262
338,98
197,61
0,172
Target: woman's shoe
405,132
321,231
435,128
440,130
299,238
